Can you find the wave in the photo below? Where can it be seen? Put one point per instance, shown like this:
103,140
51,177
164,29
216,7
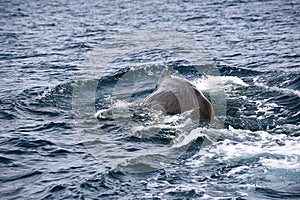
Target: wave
258,142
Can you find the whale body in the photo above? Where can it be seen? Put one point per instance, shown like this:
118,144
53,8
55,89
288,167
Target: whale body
175,95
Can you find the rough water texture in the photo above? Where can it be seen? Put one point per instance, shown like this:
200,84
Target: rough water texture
49,149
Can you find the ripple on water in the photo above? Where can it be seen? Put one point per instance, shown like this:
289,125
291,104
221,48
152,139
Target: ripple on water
255,46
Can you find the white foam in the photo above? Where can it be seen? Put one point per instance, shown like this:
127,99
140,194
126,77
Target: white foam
274,151
119,109
212,82
233,80
277,89
237,170
288,162
184,140
45,94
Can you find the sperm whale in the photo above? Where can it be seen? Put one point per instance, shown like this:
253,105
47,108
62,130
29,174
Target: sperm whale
175,95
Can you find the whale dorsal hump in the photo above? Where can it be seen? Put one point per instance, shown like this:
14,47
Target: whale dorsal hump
165,74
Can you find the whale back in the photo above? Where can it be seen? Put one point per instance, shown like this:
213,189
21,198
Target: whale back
165,75
175,95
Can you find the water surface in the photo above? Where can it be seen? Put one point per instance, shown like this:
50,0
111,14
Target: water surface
63,62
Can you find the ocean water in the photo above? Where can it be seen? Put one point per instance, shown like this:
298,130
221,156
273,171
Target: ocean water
72,73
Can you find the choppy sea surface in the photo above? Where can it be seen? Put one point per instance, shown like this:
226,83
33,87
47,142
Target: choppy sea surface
72,73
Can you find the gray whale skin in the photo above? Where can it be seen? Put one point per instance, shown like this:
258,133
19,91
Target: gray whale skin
175,95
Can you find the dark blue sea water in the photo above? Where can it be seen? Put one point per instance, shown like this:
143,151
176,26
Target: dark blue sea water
71,74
